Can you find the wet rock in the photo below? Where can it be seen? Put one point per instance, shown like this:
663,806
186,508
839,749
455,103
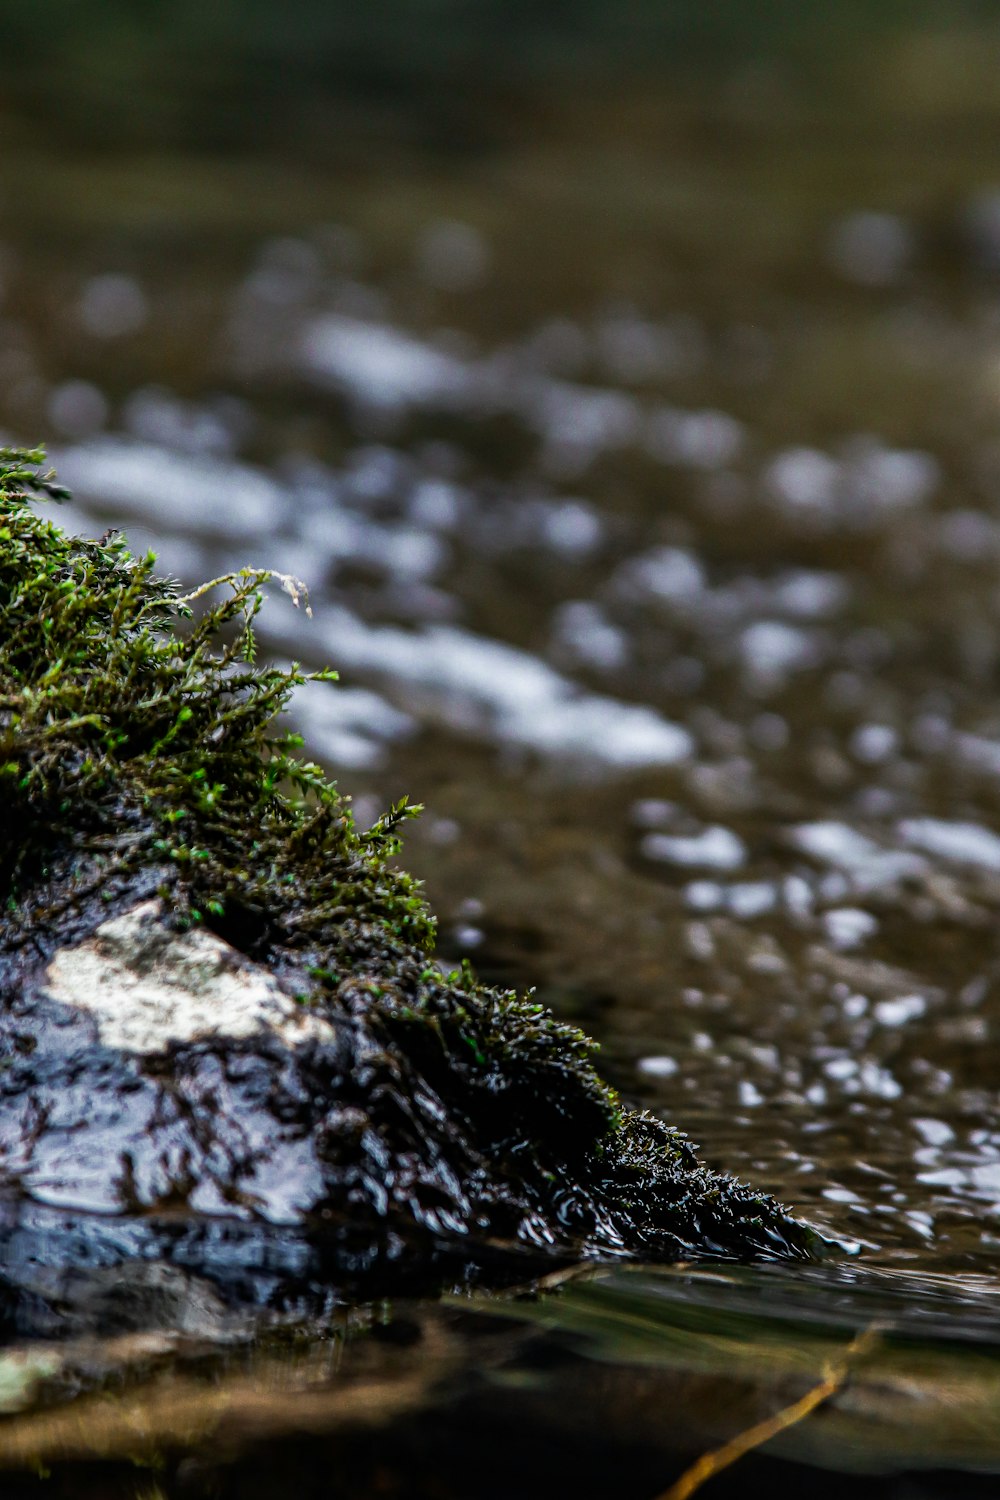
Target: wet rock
151,1070
218,1003
147,987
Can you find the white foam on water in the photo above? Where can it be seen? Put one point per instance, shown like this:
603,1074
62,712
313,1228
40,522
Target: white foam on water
872,744
197,494
658,1067
749,1094
715,848
747,899
384,368
808,594
635,350
704,895
671,574
578,422
848,927
773,650
582,633
968,536
653,812
958,842
878,1081
157,416
437,504
980,1180
845,849
933,1132
866,483
898,1011
491,690
694,439
571,528
842,1195
336,536
803,479
378,364
890,479
744,899
864,1076
471,683
349,725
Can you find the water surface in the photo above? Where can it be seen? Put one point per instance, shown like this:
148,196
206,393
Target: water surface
643,463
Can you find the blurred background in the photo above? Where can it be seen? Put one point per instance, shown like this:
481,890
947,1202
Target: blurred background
624,381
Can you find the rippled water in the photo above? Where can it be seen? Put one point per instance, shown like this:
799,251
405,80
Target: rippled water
644,472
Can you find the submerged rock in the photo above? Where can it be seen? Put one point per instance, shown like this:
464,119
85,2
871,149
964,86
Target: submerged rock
218,1002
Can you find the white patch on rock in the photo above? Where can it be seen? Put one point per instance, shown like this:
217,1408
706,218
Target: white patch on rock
147,986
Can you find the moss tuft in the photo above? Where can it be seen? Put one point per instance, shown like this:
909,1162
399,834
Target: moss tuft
133,730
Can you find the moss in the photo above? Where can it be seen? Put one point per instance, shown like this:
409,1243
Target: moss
126,737
140,748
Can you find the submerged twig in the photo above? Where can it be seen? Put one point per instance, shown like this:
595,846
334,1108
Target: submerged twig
835,1373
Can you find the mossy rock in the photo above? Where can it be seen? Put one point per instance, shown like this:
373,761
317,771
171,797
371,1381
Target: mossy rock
333,1080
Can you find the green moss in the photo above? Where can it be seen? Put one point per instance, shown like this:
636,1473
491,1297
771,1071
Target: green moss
130,728
141,751
137,731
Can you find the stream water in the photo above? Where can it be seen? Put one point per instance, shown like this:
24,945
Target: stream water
643,464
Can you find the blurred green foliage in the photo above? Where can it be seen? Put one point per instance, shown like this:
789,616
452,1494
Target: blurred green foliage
197,73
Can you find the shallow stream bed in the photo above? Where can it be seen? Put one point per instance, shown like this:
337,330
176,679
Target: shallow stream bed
643,464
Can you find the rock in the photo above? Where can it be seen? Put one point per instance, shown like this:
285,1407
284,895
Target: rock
220,1021
148,987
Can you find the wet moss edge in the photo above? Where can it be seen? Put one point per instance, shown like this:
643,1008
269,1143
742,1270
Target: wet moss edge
141,746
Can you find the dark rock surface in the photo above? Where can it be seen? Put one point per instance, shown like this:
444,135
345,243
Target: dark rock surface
218,998
164,1077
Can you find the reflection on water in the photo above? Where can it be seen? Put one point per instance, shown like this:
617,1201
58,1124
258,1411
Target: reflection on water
643,466
633,1374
